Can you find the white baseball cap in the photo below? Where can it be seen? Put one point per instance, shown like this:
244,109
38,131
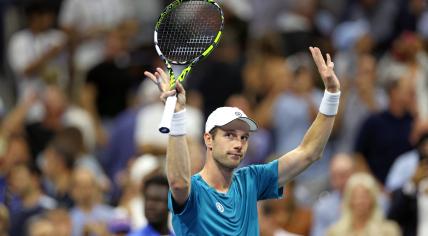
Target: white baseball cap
223,115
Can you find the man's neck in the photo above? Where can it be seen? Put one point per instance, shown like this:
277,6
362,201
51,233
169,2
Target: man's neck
216,175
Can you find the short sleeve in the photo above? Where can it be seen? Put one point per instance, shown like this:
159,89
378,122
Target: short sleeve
266,180
19,48
188,206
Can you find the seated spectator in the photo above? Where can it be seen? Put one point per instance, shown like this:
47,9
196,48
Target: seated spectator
326,210
268,224
361,212
132,198
90,215
57,164
56,113
15,152
385,135
37,52
409,198
73,138
155,191
24,183
289,214
407,164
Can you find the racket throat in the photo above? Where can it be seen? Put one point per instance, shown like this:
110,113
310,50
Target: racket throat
179,72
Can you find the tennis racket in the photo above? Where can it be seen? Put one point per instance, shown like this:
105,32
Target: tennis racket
186,32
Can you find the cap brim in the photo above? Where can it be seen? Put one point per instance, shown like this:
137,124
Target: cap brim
251,123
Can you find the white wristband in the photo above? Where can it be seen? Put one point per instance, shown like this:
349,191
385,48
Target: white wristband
330,103
178,123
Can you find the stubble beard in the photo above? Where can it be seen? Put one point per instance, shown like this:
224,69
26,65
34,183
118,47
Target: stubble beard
222,164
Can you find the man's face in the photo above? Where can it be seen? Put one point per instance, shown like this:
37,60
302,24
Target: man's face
156,204
230,144
84,187
20,179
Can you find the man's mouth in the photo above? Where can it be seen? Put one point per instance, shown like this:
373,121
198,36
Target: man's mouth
236,155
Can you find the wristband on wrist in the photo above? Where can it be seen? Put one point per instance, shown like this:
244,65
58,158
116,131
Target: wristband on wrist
178,123
330,103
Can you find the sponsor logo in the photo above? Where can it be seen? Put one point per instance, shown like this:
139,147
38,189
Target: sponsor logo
219,207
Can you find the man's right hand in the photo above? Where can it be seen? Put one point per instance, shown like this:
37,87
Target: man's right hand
161,79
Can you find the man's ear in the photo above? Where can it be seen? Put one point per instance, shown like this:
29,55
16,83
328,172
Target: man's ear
208,139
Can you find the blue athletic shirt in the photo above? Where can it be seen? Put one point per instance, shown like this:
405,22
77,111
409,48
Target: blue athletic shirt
208,212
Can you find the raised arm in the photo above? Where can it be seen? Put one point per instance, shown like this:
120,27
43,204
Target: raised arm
177,154
315,139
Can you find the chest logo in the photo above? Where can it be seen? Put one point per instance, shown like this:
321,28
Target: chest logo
219,207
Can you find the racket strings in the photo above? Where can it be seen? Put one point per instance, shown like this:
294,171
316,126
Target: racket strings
188,30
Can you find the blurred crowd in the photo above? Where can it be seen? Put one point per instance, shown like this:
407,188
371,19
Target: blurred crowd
80,153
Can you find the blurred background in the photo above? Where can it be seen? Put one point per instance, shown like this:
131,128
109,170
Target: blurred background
80,153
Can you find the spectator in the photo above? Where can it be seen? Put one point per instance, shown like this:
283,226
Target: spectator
385,135
87,23
327,209
407,164
36,53
16,152
72,138
132,199
409,196
56,114
268,224
57,167
361,97
25,183
361,211
89,216
289,214
376,13
155,191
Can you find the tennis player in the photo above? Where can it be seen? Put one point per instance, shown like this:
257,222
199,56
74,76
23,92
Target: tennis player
221,199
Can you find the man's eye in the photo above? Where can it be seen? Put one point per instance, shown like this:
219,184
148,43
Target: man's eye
244,138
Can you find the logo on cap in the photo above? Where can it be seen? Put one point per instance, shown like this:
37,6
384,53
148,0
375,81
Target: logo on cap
238,114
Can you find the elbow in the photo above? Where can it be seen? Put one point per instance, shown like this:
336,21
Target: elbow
178,184
312,155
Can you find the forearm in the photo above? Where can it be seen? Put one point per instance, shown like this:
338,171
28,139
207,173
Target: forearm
15,120
310,149
178,167
37,65
317,136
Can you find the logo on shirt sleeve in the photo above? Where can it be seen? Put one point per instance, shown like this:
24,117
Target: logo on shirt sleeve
220,207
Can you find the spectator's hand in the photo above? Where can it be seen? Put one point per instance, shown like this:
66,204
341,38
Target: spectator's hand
325,68
161,79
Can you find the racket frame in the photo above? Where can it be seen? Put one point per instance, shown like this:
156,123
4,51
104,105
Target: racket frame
180,68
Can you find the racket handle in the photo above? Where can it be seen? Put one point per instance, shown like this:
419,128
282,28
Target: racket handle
168,112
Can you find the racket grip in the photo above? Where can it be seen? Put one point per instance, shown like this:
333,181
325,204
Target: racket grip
168,112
